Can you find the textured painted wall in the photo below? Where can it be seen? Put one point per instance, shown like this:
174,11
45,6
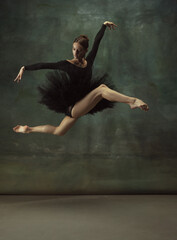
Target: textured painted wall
115,151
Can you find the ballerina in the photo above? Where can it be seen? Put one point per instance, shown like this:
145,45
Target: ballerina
73,91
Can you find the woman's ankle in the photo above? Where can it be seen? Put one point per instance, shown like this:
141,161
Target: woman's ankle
29,129
132,100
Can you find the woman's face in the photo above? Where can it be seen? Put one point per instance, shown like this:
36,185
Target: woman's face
78,51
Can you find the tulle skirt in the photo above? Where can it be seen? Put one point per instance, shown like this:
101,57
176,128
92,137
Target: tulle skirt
61,92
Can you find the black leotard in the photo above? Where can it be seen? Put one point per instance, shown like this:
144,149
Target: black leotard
72,89
71,69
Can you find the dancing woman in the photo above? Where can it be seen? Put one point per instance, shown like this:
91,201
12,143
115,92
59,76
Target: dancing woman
72,90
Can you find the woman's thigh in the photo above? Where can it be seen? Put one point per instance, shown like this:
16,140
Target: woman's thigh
88,102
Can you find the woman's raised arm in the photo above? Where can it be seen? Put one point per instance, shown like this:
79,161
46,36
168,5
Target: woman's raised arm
92,54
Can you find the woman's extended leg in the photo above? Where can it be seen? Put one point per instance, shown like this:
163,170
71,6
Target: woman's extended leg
82,107
91,99
60,130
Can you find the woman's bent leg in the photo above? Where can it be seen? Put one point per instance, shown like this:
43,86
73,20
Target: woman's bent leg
91,99
82,107
60,130
115,96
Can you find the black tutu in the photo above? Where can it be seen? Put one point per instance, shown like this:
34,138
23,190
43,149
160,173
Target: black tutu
61,91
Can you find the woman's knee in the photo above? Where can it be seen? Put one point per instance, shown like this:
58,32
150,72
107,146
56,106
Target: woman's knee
102,86
59,134
64,126
102,89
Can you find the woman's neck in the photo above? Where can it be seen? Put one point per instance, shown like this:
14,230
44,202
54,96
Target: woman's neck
76,60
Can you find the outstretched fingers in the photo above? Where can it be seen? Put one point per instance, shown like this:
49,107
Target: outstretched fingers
111,25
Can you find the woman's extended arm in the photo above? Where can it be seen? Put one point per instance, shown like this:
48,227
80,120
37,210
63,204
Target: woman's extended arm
38,66
92,54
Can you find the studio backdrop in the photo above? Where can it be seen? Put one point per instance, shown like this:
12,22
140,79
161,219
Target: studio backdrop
117,150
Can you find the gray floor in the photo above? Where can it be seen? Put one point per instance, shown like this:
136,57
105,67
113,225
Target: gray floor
93,217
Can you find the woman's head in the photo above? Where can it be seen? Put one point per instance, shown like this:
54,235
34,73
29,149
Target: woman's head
80,46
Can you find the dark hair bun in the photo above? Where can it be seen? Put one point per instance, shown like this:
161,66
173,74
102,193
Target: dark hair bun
85,36
82,40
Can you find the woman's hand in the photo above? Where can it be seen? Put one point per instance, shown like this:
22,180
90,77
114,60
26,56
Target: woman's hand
110,24
19,76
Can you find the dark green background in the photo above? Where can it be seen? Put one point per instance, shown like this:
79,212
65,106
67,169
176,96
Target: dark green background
115,151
